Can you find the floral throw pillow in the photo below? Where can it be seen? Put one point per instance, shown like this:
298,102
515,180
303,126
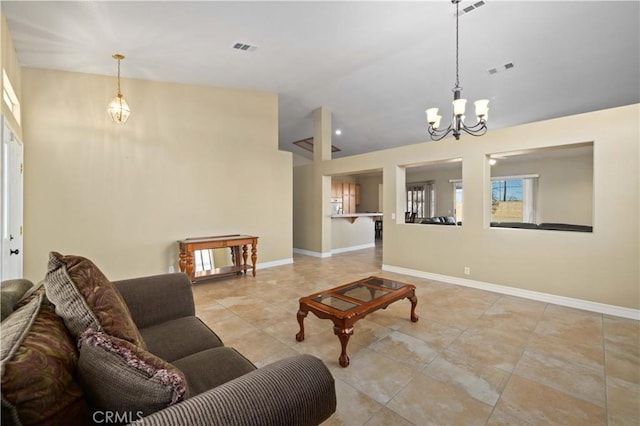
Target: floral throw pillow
84,298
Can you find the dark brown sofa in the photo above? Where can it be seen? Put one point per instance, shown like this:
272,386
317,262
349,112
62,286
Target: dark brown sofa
224,388
296,390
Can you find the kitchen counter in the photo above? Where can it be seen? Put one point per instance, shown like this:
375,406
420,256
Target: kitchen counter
353,216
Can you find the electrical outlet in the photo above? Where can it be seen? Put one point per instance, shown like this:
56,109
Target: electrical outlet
171,270
467,270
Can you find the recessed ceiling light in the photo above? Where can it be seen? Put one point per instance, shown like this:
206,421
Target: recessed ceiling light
338,132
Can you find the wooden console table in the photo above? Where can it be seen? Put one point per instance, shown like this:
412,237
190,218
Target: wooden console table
234,242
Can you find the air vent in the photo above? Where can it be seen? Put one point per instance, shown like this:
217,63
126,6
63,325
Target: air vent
245,47
471,7
307,144
506,67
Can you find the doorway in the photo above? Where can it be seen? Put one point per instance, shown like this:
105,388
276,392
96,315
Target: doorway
11,164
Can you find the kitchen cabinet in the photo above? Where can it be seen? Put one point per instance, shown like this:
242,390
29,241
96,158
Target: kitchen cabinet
347,193
336,189
348,197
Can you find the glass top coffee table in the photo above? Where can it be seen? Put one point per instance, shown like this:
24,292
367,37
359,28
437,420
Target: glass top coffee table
346,304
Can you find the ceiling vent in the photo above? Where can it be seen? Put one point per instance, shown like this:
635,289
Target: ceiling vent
506,67
470,8
245,47
307,144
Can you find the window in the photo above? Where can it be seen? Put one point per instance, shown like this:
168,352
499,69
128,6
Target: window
7,100
9,97
458,199
513,199
421,199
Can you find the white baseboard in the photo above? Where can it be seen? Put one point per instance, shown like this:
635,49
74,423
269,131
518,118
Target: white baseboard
586,305
273,263
311,253
352,248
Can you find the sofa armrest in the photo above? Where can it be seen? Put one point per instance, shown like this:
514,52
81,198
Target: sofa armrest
298,390
155,299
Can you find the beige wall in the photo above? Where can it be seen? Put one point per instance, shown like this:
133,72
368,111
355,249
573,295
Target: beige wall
602,266
307,209
9,63
191,161
369,192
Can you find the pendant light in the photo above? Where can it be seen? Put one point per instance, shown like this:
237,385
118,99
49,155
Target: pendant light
458,125
118,108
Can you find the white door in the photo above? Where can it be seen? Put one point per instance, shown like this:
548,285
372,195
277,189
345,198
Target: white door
12,187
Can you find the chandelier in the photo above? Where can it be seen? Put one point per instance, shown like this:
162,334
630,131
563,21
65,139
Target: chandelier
118,107
458,125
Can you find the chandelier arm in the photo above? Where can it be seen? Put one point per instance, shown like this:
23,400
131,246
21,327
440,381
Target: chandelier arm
478,125
475,132
437,134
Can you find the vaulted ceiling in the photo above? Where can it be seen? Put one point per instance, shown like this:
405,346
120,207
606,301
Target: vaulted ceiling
376,65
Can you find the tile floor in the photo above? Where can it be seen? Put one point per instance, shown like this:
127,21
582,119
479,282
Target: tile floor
474,357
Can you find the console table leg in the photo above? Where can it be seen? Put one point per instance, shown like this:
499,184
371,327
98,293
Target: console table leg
182,261
254,256
244,257
414,302
343,334
301,316
189,266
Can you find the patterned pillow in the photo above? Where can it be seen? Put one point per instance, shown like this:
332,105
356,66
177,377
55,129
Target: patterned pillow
120,377
38,368
85,298
10,293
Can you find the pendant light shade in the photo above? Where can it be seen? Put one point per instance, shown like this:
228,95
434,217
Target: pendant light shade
118,108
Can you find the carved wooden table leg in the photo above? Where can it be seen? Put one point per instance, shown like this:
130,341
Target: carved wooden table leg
414,302
235,258
302,314
244,257
343,333
183,261
189,267
254,256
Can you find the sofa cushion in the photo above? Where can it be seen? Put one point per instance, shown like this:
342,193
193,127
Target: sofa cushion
121,377
178,338
11,291
38,368
212,367
85,298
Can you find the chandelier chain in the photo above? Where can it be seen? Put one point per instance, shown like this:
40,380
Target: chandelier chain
119,93
457,44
